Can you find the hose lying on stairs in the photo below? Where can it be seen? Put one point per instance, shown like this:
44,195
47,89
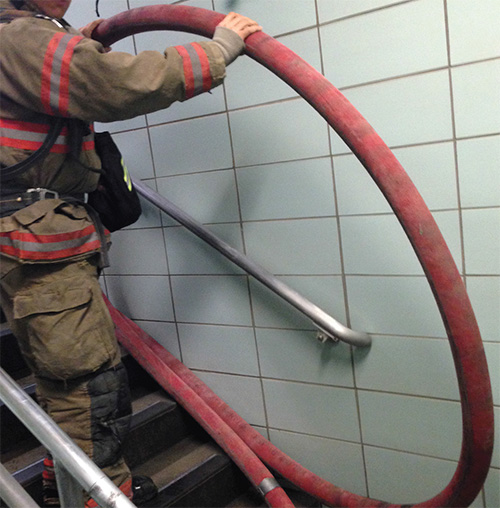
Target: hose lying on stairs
151,356
415,218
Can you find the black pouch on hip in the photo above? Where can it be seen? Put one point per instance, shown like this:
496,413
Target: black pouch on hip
115,199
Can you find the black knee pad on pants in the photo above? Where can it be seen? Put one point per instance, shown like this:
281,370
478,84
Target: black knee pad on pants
111,411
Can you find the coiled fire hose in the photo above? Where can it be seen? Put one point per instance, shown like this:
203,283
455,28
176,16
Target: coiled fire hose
419,225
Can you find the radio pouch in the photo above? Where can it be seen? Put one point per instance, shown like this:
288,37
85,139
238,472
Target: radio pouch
115,199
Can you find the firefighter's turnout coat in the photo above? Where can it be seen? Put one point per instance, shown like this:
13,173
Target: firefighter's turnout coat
49,285
48,69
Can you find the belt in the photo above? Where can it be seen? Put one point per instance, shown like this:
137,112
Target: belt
12,202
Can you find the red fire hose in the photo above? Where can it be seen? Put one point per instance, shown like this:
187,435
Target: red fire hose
149,354
416,220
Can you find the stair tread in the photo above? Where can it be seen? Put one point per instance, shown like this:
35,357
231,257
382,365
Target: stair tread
23,459
143,399
178,460
165,443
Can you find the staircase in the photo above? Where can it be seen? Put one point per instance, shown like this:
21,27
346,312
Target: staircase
165,443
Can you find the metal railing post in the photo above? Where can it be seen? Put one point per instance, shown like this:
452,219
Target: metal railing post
69,490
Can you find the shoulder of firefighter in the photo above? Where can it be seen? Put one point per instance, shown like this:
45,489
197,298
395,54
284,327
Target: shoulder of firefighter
49,70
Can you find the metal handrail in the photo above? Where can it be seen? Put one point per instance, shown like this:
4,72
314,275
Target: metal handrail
70,462
328,326
12,493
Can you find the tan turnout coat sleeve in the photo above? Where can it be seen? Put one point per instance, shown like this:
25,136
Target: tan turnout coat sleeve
48,70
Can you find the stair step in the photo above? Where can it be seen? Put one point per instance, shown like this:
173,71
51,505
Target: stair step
27,468
157,423
164,442
193,473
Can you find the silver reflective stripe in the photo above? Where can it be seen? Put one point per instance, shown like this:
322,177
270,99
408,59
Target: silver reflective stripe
55,77
197,71
20,245
36,137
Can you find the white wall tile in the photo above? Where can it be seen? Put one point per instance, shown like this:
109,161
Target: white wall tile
484,293
376,305
476,98
211,299
414,424
226,349
404,478
274,245
82,12
492,488
207,197
474,33
390,42
492,350
329,10
409,110
138,252
141,297
278,132
495,461
243,394
431,168
410,365
296,356
287,190
188,254
478,161
312,409
376,244
482,241
320,456
191,146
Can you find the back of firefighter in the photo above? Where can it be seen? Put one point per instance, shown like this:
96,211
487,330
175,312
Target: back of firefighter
51,248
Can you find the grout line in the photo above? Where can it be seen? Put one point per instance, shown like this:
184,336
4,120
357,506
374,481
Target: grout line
343,274
455,145
330,438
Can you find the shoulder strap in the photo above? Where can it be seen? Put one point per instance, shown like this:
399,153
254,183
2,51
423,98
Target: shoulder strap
10,172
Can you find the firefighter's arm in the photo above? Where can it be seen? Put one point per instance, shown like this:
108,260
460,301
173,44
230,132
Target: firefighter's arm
141,84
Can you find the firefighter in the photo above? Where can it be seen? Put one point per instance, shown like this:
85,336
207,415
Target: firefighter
51,246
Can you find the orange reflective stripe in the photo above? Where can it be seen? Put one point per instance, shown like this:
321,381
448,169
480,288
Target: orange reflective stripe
55,73
188,71
196,69
28,246
30,136
31,145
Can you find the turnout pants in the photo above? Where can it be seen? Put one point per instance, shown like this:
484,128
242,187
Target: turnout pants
57,313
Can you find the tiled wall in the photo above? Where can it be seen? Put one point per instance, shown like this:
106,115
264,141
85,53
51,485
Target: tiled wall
259,166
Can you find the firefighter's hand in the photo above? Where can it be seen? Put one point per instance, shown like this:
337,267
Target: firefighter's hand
242,25
87,30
